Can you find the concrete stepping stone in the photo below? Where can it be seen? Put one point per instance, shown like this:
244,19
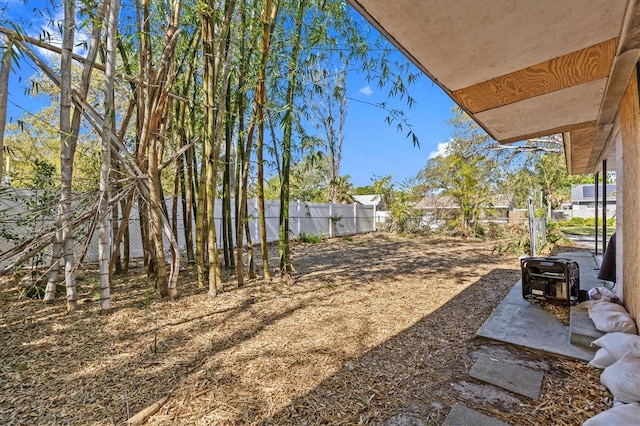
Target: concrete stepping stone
512,377
461,415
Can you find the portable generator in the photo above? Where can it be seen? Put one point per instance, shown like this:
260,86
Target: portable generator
552,279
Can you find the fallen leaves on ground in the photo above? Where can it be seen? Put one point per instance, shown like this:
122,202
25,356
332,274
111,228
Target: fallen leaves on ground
374,328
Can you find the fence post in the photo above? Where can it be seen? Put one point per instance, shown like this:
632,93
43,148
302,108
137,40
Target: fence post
532,227
298,208
330,222
375,214
355,218
257,222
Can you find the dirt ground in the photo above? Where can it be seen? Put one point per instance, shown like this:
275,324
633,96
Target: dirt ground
376,329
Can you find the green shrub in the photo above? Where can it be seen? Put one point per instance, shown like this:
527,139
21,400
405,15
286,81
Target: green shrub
554,233
577,221
311,238
585,222
515,240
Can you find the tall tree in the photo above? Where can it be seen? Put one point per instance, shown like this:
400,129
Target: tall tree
466,181
217,56
269,14
331,116
288,123
67,151
152,139
550,175
108,125
5,68
245,141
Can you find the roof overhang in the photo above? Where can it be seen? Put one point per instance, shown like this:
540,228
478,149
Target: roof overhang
524,69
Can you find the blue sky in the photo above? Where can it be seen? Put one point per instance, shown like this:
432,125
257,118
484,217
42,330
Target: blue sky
374,148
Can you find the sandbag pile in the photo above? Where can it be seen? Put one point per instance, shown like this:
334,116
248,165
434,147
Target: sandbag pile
619,356
611,317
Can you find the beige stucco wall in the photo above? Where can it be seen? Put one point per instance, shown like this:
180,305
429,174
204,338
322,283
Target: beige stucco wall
629,122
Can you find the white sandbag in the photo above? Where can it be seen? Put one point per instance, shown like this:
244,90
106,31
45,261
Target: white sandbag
618,344
628,414
588,303
622,378
611,317
602,359
602,305
602,293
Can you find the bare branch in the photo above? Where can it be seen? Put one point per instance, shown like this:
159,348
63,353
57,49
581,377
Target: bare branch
525,148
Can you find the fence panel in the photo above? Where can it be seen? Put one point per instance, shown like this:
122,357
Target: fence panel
330,220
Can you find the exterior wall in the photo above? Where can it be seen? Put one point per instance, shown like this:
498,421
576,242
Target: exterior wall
590,211
617,140
628,171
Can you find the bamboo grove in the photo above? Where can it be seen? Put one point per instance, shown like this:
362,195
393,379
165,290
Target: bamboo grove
192,100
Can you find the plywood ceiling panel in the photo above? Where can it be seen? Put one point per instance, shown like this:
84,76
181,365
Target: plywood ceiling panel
556,110
599,150
591,63
581,143
464,42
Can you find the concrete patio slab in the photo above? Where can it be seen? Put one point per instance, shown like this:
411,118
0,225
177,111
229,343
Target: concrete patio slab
461,415
512,377
521,323
526,324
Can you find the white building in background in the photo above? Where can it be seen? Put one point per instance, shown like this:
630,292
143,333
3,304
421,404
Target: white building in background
583,200
374,200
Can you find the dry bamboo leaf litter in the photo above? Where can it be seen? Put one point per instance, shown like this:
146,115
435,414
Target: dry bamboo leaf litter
373,327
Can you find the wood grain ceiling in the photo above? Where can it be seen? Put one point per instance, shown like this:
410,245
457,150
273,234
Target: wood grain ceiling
585,65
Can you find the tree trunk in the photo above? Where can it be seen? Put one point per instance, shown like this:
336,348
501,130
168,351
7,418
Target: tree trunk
251,266
54,269
243,152
122,235
67,150
187,206
116,255
268,21
5,69
162,276
202,261
228,180
210,161
151,137
108,126
284,249
216,78
175,199
186,164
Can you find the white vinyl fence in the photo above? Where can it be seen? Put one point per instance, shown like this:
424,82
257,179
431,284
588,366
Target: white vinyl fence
330,220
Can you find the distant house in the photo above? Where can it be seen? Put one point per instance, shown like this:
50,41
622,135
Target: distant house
583,200
442,206
433,203
368,200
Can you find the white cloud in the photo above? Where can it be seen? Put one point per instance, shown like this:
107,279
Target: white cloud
366,90
441,150
50,33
